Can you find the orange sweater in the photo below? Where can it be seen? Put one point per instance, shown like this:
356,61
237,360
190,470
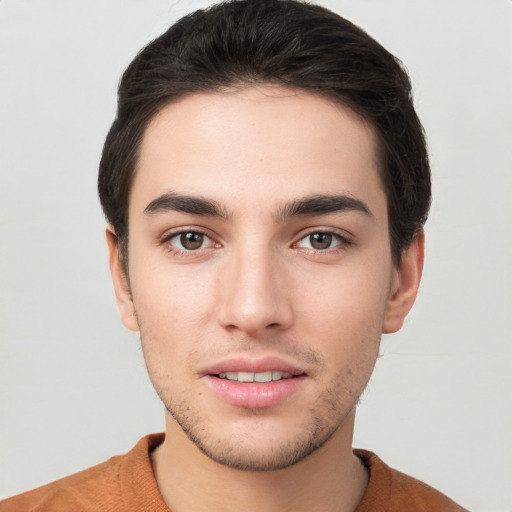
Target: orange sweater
126,484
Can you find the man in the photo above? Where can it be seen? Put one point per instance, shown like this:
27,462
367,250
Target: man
266,183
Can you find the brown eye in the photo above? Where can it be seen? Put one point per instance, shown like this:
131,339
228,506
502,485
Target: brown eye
182,242
191,240
320,241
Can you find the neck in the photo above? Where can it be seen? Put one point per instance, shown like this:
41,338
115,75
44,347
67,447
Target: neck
330,479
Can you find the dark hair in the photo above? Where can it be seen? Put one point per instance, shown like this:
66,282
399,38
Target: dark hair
286,42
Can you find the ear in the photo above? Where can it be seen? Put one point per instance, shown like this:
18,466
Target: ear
121,284
405,285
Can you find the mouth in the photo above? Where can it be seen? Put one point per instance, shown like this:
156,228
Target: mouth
267,376
259,383
265,369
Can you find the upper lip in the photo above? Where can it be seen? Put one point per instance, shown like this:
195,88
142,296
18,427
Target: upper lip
245,364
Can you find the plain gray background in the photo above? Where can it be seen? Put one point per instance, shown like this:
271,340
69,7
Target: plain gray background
73,387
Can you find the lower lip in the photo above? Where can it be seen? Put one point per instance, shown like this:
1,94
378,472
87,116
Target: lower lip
254,394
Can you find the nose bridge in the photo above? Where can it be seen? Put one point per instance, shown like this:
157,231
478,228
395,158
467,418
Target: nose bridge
252,293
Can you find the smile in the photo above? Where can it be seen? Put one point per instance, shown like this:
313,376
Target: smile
262,382
267,376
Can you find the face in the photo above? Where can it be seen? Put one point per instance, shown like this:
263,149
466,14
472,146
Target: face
260,270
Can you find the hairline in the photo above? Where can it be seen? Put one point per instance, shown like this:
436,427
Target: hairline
241,84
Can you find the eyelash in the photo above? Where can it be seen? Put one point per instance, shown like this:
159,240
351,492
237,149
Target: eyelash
343,241
166,241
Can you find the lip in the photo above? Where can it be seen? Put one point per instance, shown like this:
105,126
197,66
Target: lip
265,364
254,395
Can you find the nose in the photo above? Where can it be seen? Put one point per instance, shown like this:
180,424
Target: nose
253,294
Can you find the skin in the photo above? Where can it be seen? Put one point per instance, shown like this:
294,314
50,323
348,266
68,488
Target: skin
255,284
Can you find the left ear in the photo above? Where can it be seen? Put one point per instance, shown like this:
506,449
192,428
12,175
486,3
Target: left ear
405,284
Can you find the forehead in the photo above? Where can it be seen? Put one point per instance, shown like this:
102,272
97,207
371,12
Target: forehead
265,142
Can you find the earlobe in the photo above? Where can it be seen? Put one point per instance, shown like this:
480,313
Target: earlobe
120,281
405,285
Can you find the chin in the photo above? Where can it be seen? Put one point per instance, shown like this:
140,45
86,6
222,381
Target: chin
271,458
260,446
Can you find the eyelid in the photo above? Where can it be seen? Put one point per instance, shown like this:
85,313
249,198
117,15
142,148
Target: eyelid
344,237
169,235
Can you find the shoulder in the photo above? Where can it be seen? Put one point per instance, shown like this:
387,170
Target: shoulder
393,491
74,492
101,487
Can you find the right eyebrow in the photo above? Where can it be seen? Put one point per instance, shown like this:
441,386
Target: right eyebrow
172,201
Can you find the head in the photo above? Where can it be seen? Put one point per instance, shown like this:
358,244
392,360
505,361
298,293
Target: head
282,42
266,182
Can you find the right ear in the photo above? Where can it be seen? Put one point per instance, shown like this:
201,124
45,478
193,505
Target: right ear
121,284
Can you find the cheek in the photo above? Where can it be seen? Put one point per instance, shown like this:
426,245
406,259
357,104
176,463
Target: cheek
353,298
169,292
173,308
344,312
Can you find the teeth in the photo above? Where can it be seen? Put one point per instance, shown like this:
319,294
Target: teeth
245,377
263,377
255,377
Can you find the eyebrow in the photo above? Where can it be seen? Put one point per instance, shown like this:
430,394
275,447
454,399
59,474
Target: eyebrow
322,205
309,205
172,201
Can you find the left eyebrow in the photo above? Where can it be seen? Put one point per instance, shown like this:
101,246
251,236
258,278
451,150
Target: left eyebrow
322,205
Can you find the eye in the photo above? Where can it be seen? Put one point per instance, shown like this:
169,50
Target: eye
189,241
321,241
